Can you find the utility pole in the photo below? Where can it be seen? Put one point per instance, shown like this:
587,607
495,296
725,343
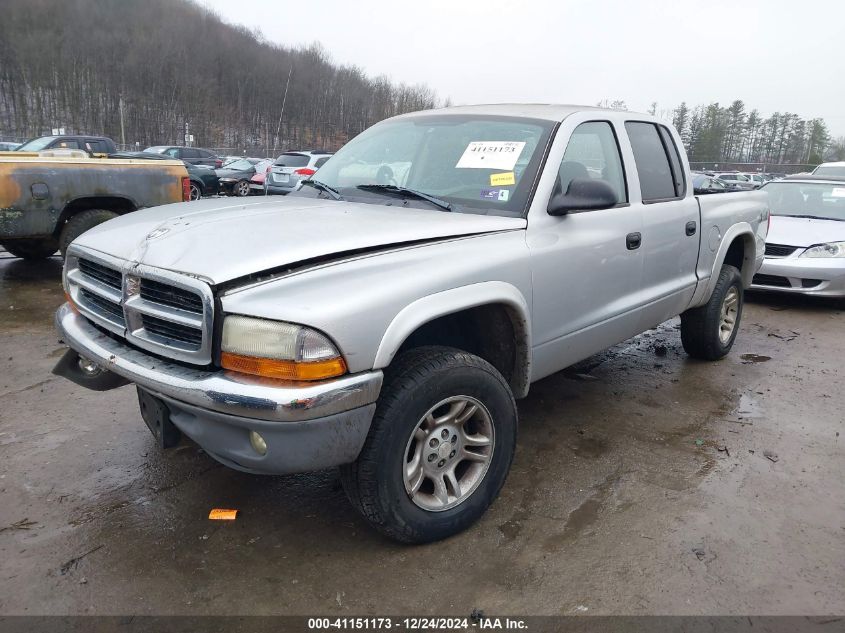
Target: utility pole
281,114
122,130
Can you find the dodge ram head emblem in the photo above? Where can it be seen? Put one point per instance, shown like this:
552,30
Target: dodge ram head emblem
157,233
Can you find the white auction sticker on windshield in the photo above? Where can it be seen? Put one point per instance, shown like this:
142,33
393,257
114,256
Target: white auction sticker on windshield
491,155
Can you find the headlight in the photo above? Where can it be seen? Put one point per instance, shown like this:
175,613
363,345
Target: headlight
275,349
832,249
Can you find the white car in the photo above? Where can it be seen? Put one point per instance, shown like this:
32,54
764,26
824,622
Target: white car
805,248
831,170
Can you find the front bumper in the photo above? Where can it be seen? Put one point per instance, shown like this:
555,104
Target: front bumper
822,277
307,426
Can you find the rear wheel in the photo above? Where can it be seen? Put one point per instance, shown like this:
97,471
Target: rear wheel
708,332
439,448
32,248
80,223
241,188
196,192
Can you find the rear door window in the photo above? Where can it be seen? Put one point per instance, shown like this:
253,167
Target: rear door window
674,161
189,152
655,172
320,162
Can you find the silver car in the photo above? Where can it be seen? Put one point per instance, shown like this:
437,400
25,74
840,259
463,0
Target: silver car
292,167
805,248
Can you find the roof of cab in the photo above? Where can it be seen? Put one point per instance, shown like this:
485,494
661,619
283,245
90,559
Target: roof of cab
547,111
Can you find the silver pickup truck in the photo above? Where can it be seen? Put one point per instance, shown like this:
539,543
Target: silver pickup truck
385,317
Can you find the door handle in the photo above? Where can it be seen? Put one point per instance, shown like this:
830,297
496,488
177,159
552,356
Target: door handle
691,228
633,241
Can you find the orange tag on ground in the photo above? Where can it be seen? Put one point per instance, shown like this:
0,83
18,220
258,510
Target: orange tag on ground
219,514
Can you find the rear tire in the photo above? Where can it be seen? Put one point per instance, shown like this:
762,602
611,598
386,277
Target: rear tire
196,192
708,332
445,427
80,223
32,249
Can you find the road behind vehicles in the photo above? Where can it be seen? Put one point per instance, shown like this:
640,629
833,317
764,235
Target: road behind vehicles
385,317
48,201
192,155
292,167
805,248
90,144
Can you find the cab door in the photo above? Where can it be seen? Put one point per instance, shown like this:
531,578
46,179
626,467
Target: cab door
586,265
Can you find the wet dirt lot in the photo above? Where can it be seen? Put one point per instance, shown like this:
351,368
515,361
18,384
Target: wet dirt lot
644,483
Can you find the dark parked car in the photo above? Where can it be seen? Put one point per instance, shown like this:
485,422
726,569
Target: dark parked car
292,167
91,144
203,178
234,177
5,146
193,155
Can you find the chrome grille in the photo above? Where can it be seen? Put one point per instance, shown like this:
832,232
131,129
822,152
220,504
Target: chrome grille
109,309
170,296
157,310
101,273
172,333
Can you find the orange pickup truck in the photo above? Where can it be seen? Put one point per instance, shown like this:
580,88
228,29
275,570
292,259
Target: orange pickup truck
47,200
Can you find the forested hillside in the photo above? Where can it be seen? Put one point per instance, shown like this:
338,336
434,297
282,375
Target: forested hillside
70,63
732,134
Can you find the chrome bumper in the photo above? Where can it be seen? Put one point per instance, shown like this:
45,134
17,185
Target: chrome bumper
219,391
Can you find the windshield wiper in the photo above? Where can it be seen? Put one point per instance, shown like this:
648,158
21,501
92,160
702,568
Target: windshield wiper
321,186
446,206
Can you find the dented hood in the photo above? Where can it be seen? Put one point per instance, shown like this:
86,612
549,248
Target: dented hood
221,240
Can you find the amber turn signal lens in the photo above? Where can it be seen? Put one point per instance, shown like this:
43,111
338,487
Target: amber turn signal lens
70,302
283,369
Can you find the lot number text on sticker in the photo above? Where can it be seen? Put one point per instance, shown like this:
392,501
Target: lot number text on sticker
491,155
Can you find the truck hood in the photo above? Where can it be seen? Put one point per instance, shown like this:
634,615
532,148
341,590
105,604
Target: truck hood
225,240
804,232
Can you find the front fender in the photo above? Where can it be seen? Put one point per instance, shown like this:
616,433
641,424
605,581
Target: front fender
454,300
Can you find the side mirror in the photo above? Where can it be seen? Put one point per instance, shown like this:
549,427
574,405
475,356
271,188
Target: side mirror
583,194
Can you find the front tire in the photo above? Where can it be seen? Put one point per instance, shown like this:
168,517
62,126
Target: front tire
80,223
439,447
708,332
196,192
32,249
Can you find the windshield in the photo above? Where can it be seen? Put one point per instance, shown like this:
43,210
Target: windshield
479,164
831,171
818,200
36,144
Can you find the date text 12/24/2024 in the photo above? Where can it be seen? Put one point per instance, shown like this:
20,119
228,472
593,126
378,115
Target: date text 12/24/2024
417,623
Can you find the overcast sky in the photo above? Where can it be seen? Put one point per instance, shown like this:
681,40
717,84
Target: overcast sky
776,55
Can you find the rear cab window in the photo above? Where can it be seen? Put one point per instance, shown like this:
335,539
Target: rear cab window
657,160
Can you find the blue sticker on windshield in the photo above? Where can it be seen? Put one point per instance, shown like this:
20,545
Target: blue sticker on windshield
501,195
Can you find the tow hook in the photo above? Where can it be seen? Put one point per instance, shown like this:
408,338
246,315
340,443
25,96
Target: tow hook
86,373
